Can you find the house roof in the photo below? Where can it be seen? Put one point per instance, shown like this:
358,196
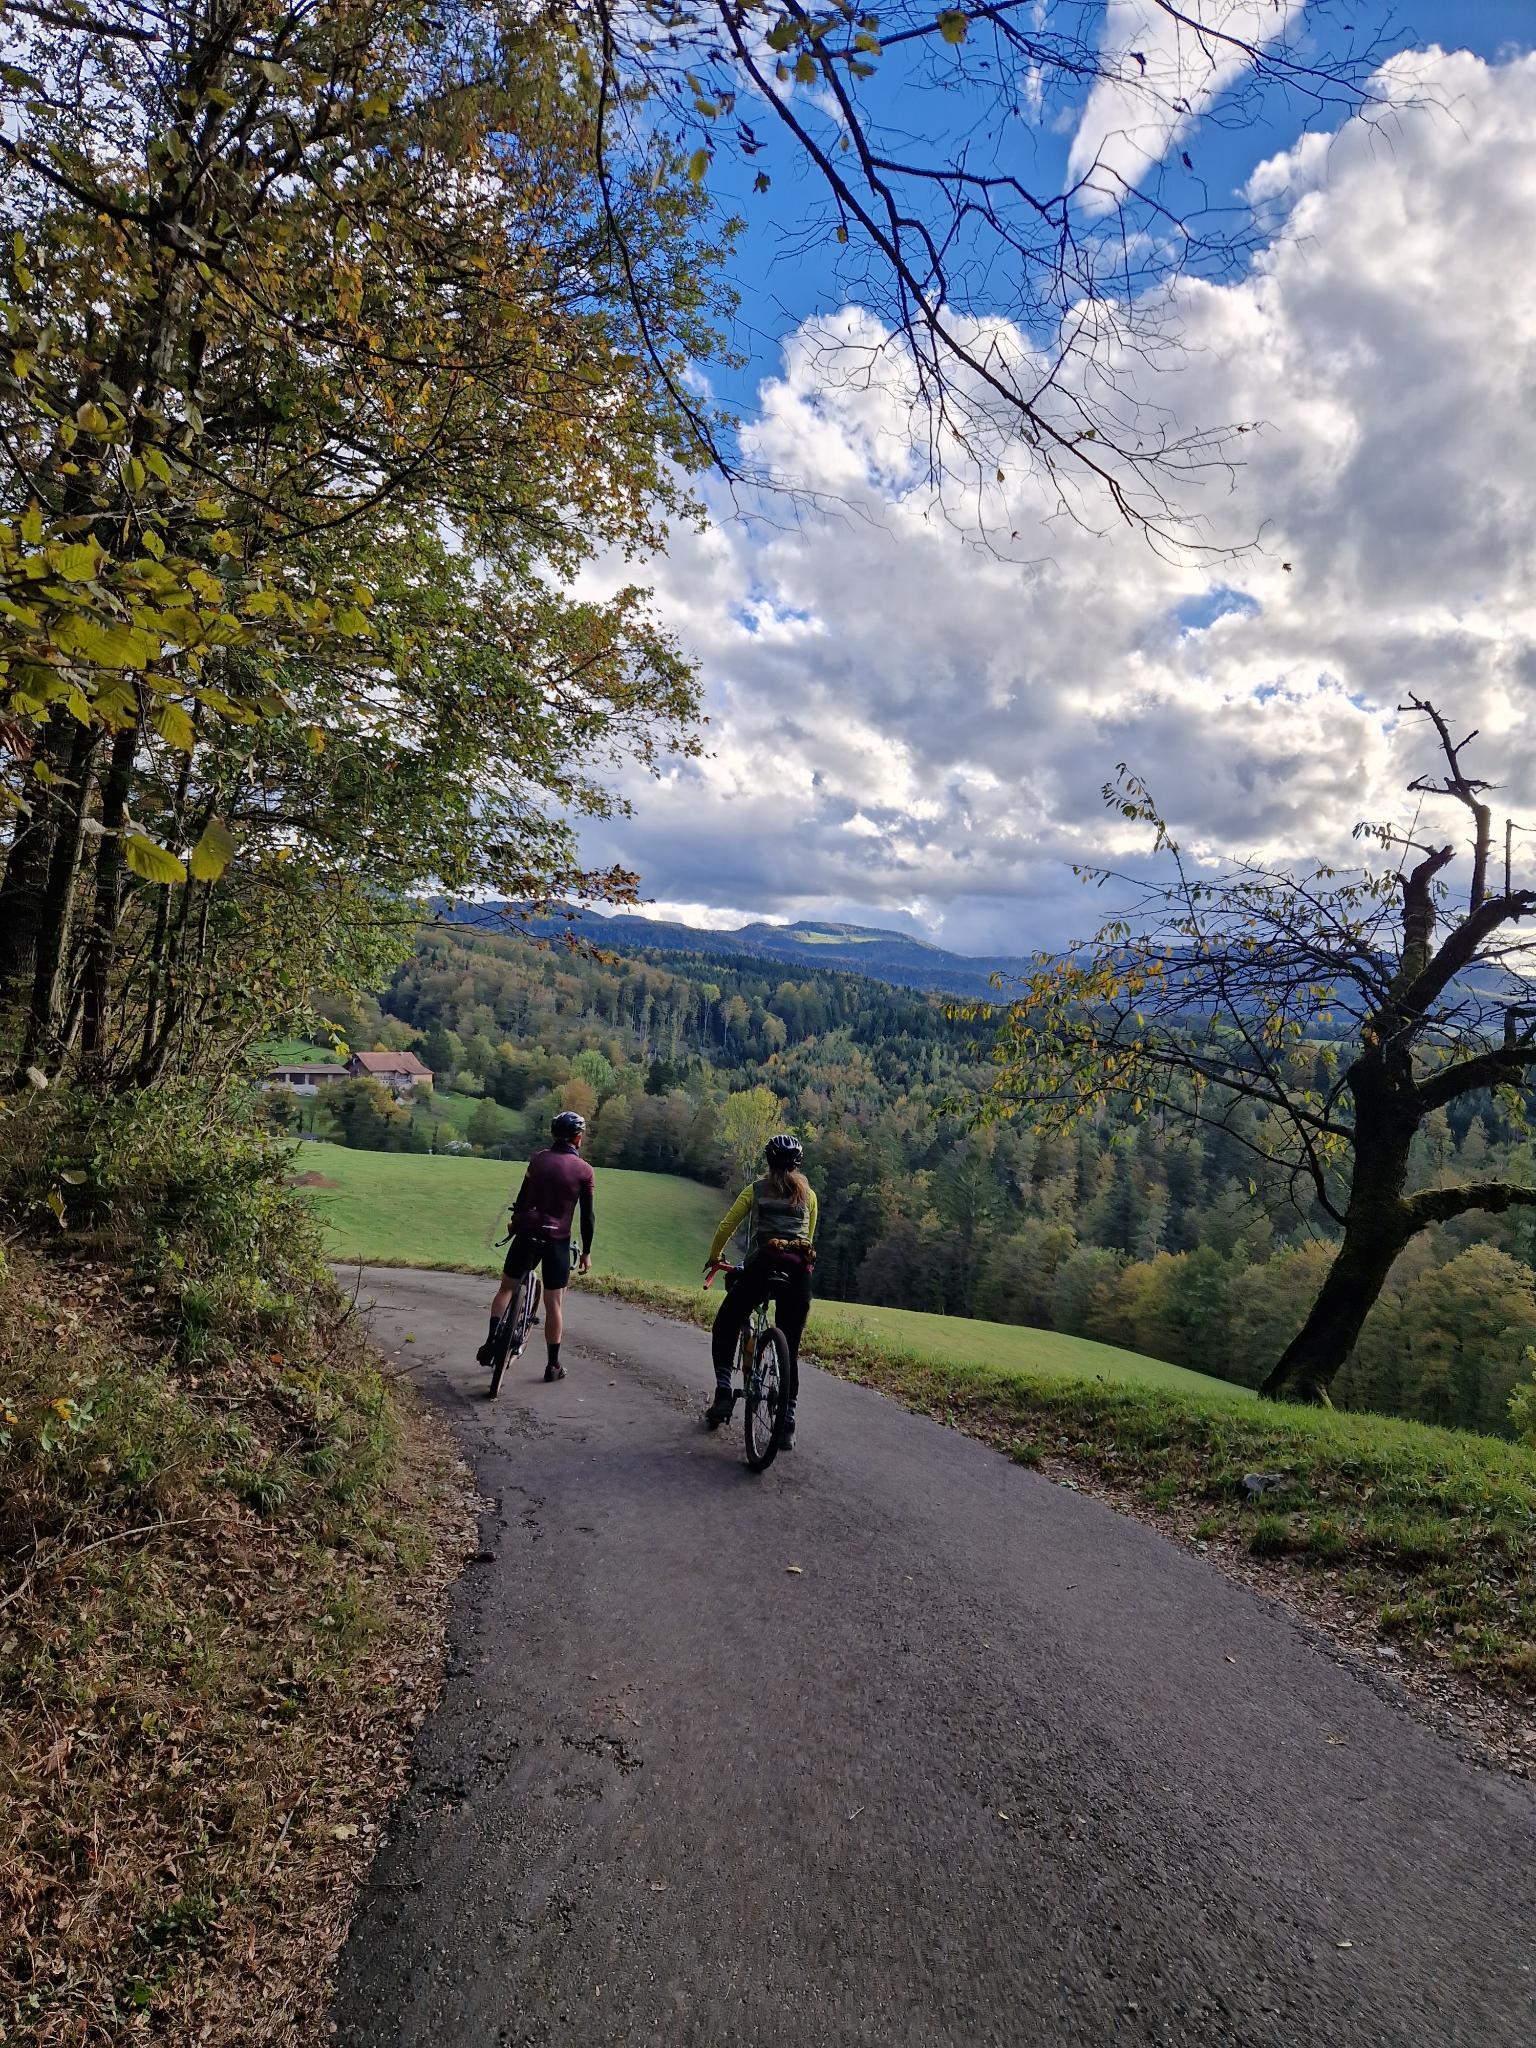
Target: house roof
391,1063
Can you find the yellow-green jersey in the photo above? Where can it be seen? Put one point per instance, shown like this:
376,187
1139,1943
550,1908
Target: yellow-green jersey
766,1215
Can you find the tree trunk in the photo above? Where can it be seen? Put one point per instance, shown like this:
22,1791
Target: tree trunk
1377,1225
25,885
109,896
1308,1364
43,1042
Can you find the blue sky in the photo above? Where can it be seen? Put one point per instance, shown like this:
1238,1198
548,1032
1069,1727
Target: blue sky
783,280
906,730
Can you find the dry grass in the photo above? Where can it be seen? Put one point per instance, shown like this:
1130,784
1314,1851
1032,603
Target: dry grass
221,1619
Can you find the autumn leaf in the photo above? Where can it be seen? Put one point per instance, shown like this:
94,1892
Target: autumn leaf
213,852
152,862
175,728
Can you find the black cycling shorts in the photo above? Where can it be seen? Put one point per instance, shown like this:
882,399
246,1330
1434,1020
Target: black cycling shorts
525,1252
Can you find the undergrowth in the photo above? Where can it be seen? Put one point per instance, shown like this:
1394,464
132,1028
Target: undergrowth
223,1556
1431,1530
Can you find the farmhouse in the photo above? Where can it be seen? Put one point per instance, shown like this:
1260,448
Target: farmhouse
305,1079
399,1071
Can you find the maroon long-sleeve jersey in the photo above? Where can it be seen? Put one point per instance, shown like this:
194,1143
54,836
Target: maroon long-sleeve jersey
555,1182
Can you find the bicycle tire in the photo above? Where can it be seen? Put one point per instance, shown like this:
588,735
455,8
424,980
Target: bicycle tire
512,1330
768,1391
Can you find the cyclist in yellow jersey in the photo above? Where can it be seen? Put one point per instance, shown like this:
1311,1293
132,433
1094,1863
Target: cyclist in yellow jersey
778,1212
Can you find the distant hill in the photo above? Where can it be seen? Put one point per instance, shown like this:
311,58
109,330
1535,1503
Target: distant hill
887,956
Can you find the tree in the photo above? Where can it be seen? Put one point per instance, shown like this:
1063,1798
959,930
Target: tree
490,1126
596,1070
1466,1327
1010,311
748,1120
1316,1019
293,295
365,1114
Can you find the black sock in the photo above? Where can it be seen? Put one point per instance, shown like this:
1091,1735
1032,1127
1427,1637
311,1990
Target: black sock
490,1333
554,1353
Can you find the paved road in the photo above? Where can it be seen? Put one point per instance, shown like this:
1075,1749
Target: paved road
995,1766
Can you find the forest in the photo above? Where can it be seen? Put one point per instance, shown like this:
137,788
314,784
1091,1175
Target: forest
1120,1228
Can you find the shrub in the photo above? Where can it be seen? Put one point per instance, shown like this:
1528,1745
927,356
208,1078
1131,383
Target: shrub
1522,1404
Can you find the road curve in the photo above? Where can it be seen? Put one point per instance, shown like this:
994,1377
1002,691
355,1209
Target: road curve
994,1765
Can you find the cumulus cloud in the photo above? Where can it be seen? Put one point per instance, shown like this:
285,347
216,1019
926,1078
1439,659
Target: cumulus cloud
1161,71
906,729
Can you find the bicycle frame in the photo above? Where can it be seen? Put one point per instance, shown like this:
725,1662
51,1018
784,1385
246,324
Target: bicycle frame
751,1335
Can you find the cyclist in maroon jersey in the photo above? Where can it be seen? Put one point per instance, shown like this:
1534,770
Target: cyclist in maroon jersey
557,1181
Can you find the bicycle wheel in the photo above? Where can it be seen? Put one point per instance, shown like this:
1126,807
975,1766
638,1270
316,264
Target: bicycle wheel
512,1330
767,1392
501,1346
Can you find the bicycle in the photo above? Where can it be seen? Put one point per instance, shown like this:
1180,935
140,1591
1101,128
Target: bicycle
770,1379
517,1319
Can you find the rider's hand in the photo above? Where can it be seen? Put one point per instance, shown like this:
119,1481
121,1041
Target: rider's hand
584,1263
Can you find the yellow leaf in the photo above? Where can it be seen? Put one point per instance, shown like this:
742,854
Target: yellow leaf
75,561
32,525
213,852
175,728
316,739
805,68
155,462
953,26
104,646
698,164
154,863
91,417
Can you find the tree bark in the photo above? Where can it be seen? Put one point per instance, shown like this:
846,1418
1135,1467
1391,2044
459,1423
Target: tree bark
1309,1363
56,918
109,896
1377,1224
24,889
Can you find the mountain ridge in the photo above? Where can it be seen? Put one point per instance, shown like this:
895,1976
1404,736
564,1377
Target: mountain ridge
897,958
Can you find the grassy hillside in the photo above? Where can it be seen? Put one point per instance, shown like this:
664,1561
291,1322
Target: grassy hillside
298,1052
397,1208
414,1209
1005,1347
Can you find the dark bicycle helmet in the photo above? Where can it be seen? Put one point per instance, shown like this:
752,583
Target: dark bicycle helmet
784,1152
570,1123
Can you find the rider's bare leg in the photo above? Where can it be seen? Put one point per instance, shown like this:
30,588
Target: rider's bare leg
554,1314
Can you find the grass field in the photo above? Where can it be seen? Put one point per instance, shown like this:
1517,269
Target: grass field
411,1209
298,1052
398,1208
1007,1347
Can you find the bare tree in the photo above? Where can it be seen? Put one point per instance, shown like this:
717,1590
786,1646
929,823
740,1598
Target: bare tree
1013,287
1316,1017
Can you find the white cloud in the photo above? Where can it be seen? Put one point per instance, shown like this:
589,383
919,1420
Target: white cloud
1161,70
904,727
